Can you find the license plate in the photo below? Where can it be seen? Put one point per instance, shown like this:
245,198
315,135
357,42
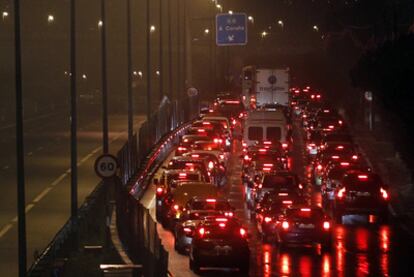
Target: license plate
362,193
306,226
159,203
222,250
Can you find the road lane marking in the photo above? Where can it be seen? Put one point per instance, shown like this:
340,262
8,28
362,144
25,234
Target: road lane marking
42,194
28,208
5,229
59,179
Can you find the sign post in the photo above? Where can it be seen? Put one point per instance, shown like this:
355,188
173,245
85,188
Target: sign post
231,29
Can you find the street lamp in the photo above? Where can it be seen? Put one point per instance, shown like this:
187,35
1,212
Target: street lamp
157,72
206,31
100,23
5,15
152,29
315,27
264,34
50,18
219,7
230,12
250,19
281,24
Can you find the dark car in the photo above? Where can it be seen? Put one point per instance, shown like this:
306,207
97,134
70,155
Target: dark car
220,242
361,193
304,225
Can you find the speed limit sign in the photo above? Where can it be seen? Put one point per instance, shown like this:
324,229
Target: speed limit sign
106,165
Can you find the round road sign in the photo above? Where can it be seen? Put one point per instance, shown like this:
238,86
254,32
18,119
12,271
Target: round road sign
368,96
272,79
106,166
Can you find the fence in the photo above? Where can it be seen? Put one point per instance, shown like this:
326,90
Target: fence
137,230
138,162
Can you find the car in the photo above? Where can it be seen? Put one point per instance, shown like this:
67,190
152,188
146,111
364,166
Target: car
280,181
361,193
175,201
220,242
189,163
184,230
304,225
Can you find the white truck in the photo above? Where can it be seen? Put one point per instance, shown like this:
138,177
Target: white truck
264,86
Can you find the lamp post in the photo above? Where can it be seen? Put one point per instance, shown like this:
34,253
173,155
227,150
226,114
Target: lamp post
129,70
148,34
104,81
161,53
21,197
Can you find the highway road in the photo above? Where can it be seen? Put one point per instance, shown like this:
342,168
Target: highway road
47,165
358,249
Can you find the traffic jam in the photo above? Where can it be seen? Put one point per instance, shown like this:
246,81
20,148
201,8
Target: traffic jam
263,190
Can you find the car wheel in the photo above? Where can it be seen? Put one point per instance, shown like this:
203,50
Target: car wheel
244,269
194,266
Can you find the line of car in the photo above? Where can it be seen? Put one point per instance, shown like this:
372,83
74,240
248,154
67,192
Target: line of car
189,198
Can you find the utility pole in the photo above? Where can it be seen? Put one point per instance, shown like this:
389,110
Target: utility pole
149,104
161,53
73,114
129,66
104,82
170,50
21,199
178,51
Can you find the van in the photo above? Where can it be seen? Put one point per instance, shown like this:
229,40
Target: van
265,125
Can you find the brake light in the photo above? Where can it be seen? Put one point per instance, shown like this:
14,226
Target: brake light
217,140
267,169
268,165
232,102
319,167
176,207
326,225
229,214
363,177
267,219
341,193
234,122
246,157
326,111
284,145
221,219
160,190
206,123
287,202
355,157
318,96
211,200
201,130
331,126
267,142
201,232
210,165
384,193
243,232
283,194
185,140
285,225
221,157
182,148
335,157
195,156
182,175
244,144
262,150
344,164
222,225
340,122
187,230
340,147
305,210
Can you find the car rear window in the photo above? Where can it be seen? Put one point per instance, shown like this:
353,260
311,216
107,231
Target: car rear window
205,205
360,183
300,214
276,181
255,133
273,133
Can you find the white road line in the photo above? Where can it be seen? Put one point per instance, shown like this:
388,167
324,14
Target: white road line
42,194
59,179
29,207
5,229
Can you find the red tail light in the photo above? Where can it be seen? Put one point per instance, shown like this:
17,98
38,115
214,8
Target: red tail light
344,164
210,165
267,219
355,157
229,214
211,200
221,157
221,219
187,230
246,157
182,148
287,202
268,165
284,145
262,150
305,210
341,192
176,207
335,157
384,194
363,177
326,225
222,225
195,156
319,167
243,232
160,191
285,225
201,232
